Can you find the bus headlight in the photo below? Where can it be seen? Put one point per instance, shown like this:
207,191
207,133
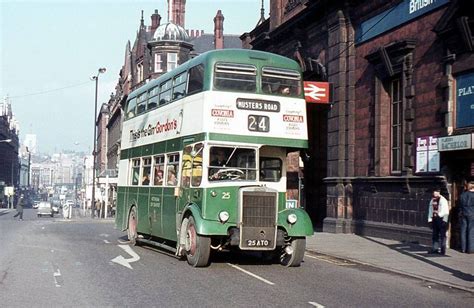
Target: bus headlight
223,216
292,218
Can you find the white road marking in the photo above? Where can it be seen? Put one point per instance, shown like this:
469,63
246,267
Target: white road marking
251,274
316,304
107,242
104,235
57,275
126,262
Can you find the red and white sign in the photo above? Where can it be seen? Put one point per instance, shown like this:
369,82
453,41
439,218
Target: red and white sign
316,92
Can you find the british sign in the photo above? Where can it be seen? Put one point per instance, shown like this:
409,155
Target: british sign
316,92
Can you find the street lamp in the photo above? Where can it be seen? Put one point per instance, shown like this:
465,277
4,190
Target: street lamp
94,154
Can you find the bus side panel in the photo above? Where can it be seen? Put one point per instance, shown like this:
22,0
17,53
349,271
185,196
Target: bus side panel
121,211
155,208
142,208
168,217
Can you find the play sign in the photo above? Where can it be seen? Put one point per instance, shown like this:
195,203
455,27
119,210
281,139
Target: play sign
316,92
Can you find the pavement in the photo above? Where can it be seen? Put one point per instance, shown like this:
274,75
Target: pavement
454,270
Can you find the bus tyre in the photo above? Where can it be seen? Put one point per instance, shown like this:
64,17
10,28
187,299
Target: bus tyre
196,247
293,259
132,227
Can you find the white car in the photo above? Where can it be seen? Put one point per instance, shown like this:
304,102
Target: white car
45,208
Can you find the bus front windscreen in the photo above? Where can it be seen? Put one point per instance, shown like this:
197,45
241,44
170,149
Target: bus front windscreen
232,164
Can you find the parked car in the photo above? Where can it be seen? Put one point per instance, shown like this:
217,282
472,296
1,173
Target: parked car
36,203
45,208
56,205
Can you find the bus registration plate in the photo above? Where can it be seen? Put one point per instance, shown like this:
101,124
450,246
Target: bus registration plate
258,243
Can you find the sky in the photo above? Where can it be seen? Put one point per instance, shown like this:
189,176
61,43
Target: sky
49,49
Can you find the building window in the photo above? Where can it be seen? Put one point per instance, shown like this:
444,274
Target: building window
140,72
172,62
158,63
396,125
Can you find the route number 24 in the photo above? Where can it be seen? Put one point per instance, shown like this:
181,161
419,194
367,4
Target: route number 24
257,123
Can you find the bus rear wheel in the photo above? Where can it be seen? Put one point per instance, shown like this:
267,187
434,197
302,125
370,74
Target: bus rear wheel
197,247
292,255
132,226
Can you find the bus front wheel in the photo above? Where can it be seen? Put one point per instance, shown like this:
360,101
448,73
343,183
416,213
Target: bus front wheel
132,227
197,247
292,255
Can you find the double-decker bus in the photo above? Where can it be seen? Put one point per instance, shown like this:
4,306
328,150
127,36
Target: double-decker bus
203,159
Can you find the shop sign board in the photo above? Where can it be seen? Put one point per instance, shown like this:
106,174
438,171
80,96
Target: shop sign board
403,12
456,143
465,100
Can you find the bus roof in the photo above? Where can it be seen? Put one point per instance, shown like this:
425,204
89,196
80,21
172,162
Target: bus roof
260,58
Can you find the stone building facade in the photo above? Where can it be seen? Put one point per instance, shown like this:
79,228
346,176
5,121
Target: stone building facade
401,120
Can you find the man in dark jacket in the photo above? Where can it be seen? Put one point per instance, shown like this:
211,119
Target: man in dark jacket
466,212
19,208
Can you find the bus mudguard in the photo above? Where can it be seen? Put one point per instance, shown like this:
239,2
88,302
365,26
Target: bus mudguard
302,226
204,226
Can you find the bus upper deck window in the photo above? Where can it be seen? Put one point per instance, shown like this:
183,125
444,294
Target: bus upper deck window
131,108
235,77
284,82
141,104
196,79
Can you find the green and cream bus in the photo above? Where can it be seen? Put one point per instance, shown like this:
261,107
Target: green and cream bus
203,159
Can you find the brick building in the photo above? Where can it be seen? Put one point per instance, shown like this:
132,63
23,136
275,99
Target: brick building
157,48
401,120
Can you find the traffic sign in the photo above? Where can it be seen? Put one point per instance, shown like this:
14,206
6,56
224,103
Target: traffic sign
316,92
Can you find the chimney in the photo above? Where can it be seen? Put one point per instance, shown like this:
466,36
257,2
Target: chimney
155,21
176,11
219,30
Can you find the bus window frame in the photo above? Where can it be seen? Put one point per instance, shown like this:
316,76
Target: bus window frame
282,82
156,167
146,164
131,113
231,84
181,85
153,94
142,100
261,169
135,181
169,164
168,90
199,82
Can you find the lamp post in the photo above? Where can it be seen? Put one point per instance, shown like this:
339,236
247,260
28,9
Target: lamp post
94,153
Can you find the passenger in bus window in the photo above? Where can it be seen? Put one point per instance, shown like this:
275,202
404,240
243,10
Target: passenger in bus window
284,90
172,181
146,180
158,177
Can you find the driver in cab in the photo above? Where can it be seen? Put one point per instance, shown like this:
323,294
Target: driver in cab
218,160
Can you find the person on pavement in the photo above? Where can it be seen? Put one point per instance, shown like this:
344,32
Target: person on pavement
466,213
438,214
19,208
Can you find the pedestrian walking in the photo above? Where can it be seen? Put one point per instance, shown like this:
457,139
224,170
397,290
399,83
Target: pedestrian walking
19,208
466,215
97,208
438,214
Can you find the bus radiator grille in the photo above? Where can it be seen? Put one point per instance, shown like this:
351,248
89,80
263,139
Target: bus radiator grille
258,220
